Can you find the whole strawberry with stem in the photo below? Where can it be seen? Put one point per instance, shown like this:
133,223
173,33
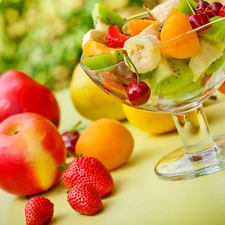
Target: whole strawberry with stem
38,211
87,170
84,199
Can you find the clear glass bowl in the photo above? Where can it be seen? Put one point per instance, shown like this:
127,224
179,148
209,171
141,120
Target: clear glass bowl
201,153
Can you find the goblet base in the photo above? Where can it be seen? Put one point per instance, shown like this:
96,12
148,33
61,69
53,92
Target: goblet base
178,165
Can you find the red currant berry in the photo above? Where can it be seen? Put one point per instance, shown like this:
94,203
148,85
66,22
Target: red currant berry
138,93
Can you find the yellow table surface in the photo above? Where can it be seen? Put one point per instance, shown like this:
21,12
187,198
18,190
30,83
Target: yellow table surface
139,197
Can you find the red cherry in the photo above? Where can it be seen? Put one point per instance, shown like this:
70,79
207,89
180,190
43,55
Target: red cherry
222,11
198,20
138,93
210,13
215,6
70,139
202,5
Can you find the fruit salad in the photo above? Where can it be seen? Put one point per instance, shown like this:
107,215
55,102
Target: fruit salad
169,56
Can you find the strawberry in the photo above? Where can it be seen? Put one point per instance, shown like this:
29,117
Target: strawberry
222,11
38,211
88,170
115,38
84,199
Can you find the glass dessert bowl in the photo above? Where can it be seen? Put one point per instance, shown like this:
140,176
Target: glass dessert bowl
170,74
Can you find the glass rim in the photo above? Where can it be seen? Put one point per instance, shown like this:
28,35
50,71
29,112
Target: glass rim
154,47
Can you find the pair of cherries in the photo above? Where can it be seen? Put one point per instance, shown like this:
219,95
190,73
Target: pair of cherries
202,15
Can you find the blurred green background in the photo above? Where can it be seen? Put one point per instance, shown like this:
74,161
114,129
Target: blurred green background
43,37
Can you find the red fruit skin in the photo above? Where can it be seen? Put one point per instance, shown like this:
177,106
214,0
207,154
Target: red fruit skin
138,93
222,11
202,5
115,38
210,13
38,211
215,6
31,148
198,20
222,88
88,170
70,139
20,93
84,199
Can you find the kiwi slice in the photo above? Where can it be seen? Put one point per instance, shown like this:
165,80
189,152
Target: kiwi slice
104,17
103,61
216,33
189,92
171,76
216,65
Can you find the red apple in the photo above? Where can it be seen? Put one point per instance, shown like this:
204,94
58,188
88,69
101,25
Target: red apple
31,148
20,93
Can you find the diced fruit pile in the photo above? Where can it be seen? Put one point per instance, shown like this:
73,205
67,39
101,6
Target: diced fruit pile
168,49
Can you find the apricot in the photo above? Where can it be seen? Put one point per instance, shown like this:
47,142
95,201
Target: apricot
177,25
107,140
92,47
136,26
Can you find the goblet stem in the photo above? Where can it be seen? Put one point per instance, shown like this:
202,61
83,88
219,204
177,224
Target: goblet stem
193,129
201,153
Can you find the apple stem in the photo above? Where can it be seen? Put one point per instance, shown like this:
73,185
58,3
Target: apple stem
129,61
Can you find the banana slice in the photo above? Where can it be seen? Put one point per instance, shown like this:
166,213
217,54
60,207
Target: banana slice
161,10
142,52
94,34
208,54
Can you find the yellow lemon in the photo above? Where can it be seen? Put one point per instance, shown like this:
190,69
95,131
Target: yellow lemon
90,101
152,123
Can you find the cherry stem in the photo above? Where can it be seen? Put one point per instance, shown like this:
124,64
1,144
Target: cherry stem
150,12
191,7
129,61
76,126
